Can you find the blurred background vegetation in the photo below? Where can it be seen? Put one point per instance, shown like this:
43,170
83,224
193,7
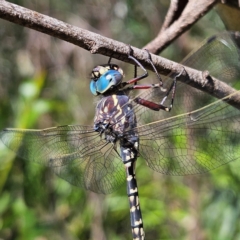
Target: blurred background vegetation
44,82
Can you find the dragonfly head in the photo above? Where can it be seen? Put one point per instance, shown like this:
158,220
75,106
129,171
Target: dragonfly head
105,77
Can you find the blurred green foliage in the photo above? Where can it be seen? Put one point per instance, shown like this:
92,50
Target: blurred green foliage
44,82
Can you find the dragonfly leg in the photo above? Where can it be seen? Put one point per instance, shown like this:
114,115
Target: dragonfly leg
155,106
110,59
144,75
138,64
149,104
173,89
155,70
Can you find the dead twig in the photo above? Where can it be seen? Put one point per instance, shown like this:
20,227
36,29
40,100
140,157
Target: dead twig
193,11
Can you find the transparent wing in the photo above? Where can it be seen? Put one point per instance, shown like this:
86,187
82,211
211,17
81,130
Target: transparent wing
220,55
178,143
75,153
192,143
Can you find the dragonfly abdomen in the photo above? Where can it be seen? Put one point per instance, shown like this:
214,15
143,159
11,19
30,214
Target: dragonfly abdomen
129,157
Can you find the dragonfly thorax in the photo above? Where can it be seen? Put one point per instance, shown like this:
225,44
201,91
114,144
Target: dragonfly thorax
115,120
106,130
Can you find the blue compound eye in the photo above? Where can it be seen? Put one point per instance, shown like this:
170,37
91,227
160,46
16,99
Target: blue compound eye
93,87
108,80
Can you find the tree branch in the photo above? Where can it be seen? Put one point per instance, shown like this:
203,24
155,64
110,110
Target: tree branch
174,12
193,11
96,43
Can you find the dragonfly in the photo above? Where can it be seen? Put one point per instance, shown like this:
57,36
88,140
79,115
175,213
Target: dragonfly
175,128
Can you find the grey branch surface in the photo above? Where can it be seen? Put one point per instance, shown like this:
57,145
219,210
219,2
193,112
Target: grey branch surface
96,43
